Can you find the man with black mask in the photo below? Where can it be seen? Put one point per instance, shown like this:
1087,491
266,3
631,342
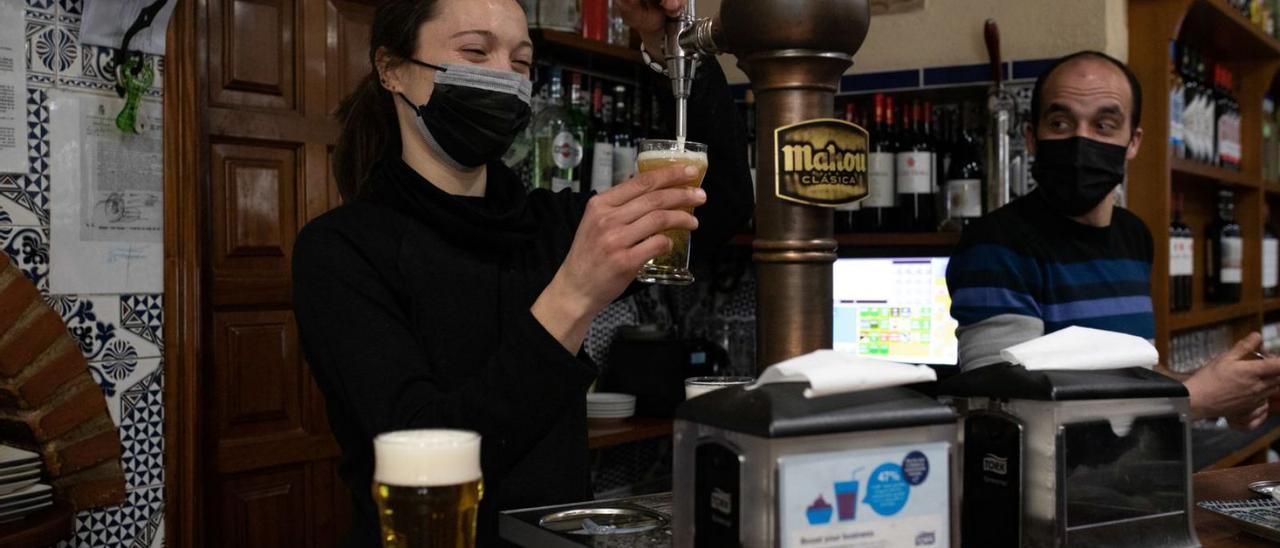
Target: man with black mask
1065,255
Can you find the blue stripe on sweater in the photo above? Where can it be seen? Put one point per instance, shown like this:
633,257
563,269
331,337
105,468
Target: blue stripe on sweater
1093,308
995,298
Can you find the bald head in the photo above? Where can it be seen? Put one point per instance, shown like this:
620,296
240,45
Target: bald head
1087,77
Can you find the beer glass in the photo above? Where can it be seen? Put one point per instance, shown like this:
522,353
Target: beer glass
427,486
697,386
671,268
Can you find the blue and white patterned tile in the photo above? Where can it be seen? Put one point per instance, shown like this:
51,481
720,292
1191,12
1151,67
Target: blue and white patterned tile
42,6
28,248
69,12
141,411
69,61
36,67
134,524
16,204
157,61
98,71
35,187
112,328
143,315
54,47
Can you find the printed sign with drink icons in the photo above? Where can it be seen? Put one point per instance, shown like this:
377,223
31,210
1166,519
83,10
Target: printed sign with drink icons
829,498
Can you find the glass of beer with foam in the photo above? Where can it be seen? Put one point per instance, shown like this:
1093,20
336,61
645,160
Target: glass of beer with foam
671,268
427,486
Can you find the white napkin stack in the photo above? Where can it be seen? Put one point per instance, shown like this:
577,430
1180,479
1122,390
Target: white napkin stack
831,372
1083,348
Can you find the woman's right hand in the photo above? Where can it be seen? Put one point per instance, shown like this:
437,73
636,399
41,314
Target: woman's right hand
620,231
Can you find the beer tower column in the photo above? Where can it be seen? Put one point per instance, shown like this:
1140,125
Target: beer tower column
794,52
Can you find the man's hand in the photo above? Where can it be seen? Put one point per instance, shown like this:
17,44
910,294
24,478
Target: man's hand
649,19
1235,387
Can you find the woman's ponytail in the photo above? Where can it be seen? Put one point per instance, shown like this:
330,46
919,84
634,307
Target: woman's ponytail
370,128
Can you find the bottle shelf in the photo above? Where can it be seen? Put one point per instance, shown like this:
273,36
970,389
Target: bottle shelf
1271,305
1214,314
555,38
1217,27
1188,169
601,435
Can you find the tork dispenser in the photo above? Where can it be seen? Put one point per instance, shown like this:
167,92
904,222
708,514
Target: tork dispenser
1058,458
768,467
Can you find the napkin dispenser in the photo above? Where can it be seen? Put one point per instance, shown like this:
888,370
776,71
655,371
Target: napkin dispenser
1058,458
769,467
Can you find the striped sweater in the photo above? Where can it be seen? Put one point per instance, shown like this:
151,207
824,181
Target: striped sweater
1025,271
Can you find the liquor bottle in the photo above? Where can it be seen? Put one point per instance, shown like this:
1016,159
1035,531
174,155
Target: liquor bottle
1221,113
1181,260
579,118
1229,120
557,151
601,177
657,125
964,181
914,170
639,130
1190,96
1204,112
934,142
749,115
595,19
587,109
624,146
1269,156
878,209
1270,257
561,15
1176,104
846,216
1224,253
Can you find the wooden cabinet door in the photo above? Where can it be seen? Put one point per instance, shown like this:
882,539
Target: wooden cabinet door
273,72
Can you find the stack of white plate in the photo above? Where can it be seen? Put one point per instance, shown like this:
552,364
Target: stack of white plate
608,405
18,504
20,490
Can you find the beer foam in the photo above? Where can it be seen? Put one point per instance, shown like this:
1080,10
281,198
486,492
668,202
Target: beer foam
426,458
673,155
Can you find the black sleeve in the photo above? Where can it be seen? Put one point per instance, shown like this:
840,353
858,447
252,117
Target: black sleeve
359,342
714,120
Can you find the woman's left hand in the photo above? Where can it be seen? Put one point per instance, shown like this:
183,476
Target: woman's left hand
649,17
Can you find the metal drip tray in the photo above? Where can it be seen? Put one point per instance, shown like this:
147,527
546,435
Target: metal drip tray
637,522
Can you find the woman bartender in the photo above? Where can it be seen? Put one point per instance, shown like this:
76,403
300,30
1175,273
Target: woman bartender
441,295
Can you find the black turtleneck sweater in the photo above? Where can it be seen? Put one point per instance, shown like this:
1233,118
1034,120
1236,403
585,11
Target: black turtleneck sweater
413,309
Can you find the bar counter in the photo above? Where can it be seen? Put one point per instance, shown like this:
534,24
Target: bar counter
1230,484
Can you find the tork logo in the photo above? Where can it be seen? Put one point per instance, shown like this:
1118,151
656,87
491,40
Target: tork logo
927,538
721,501
995,464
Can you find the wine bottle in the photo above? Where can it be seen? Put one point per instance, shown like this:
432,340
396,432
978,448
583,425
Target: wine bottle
879,208
914,171
1224,248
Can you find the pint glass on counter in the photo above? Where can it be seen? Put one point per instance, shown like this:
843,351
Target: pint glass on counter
671,268
427,486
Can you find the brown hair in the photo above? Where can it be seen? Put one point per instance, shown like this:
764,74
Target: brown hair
370,129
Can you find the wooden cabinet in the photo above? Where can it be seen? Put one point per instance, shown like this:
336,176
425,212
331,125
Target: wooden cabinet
1155,176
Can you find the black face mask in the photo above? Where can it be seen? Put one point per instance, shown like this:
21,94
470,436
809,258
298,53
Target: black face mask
1076,174
474,113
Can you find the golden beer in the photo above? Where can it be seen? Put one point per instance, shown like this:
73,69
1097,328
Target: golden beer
671,268
427,486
